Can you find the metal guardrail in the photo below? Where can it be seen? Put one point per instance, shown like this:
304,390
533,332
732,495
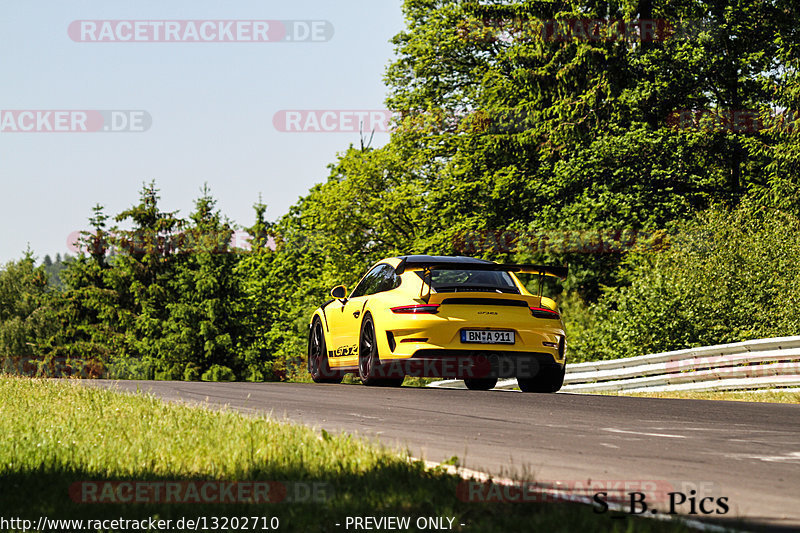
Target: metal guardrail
749,365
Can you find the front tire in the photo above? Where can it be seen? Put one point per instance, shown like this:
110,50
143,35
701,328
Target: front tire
369,362
318,365
549,379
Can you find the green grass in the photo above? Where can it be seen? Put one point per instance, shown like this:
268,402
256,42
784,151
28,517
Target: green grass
731,396
55,433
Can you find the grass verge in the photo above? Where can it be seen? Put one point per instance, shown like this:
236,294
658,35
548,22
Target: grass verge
56,433
731,396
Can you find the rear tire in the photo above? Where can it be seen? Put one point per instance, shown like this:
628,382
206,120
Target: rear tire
318,365
369,361
481,383
549,379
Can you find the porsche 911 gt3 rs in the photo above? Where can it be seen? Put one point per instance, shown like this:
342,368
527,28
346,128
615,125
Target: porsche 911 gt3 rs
439,316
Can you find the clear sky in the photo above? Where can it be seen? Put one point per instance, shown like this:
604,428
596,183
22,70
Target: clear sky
211,103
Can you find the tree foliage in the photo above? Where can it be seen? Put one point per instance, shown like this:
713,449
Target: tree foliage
502,129
730,276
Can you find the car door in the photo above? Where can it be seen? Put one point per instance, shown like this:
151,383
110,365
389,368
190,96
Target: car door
342,316
382,278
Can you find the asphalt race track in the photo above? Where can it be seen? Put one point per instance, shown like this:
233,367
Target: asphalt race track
747,452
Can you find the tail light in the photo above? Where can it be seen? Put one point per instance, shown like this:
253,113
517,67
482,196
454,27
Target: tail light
429,309
543,312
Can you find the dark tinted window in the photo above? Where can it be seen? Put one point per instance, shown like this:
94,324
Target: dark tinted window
389,280
472,280
368,281
381,278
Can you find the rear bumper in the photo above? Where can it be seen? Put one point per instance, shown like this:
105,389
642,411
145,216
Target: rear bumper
468,364
439,336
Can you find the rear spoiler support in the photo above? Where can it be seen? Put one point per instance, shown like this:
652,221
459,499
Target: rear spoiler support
426,280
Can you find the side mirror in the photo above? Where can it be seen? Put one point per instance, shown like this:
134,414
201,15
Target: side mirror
339,292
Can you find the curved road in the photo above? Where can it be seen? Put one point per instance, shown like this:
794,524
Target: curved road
746,452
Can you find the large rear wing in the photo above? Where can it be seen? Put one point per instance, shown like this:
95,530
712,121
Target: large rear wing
429,265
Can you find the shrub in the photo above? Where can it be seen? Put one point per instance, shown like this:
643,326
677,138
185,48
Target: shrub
732,275
218,373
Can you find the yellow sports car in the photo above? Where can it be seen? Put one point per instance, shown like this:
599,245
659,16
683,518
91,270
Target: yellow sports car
437,316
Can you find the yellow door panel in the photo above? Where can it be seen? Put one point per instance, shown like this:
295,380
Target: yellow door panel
351,329
334,313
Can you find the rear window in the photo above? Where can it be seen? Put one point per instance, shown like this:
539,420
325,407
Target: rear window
471,281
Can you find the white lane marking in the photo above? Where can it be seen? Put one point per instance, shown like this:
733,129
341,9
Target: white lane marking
667,435
793,457
738,431
607,445
694,429
365,416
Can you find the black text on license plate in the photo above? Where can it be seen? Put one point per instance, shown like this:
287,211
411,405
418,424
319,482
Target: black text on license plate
487,337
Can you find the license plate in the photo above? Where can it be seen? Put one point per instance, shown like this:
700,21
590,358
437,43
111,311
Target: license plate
487,337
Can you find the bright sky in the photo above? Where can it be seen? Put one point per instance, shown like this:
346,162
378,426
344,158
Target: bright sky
211,104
